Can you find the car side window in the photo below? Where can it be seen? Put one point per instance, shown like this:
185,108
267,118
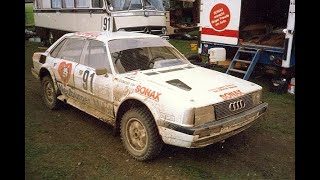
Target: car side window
72,49
96,55
56,50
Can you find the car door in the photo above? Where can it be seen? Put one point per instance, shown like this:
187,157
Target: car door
65,58
91,83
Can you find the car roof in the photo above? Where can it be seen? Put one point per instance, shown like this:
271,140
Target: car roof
107,36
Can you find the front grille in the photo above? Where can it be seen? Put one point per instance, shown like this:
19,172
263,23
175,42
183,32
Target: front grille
222,109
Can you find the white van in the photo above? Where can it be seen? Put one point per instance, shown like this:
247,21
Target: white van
53,18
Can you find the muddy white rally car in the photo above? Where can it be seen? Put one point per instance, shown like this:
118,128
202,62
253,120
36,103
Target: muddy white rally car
146,89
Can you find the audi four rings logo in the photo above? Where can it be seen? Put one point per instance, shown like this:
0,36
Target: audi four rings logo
237,105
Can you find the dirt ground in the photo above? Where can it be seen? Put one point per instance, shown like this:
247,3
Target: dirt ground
69,144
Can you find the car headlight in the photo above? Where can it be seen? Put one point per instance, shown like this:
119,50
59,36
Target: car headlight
204,114
164,30
256,97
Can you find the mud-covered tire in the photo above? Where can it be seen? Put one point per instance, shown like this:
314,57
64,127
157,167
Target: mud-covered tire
49,94
139,134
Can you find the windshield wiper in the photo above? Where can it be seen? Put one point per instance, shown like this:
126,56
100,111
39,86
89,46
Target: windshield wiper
129,5
151,6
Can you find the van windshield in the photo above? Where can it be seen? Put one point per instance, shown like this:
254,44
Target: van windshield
122,5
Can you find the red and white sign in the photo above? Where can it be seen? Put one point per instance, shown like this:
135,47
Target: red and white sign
220,21
220,17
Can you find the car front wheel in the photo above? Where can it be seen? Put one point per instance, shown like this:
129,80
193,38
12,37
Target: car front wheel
140,135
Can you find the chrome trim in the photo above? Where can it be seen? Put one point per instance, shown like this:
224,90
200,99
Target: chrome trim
147,30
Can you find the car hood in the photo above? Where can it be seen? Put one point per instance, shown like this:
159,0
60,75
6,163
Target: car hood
200,85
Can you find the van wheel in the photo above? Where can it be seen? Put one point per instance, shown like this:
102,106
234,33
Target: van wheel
49,93
140,135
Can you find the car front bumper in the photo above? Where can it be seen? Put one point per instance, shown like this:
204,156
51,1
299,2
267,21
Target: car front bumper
211,132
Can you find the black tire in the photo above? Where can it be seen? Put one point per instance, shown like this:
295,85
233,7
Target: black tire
140,135
49,93
194,58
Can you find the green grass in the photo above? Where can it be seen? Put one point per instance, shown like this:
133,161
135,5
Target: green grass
281,111
194,33
29,14
183,45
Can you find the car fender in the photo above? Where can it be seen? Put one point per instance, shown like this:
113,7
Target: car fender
46,67
153,107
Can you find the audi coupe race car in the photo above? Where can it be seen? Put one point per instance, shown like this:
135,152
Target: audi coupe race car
146,89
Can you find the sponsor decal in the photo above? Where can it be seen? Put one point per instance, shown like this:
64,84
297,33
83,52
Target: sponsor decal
88,34
125,82
148,92
220,17
64,71
69,92
229,86
232,94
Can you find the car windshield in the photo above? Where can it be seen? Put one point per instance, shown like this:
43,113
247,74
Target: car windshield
143,54
122,5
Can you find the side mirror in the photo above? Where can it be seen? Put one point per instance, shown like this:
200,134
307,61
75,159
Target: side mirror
101,71
285,31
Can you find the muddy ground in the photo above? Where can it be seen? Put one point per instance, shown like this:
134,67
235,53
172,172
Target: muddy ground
69,144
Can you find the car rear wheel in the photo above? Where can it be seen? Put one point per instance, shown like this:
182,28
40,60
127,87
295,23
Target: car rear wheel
140,135
49,93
